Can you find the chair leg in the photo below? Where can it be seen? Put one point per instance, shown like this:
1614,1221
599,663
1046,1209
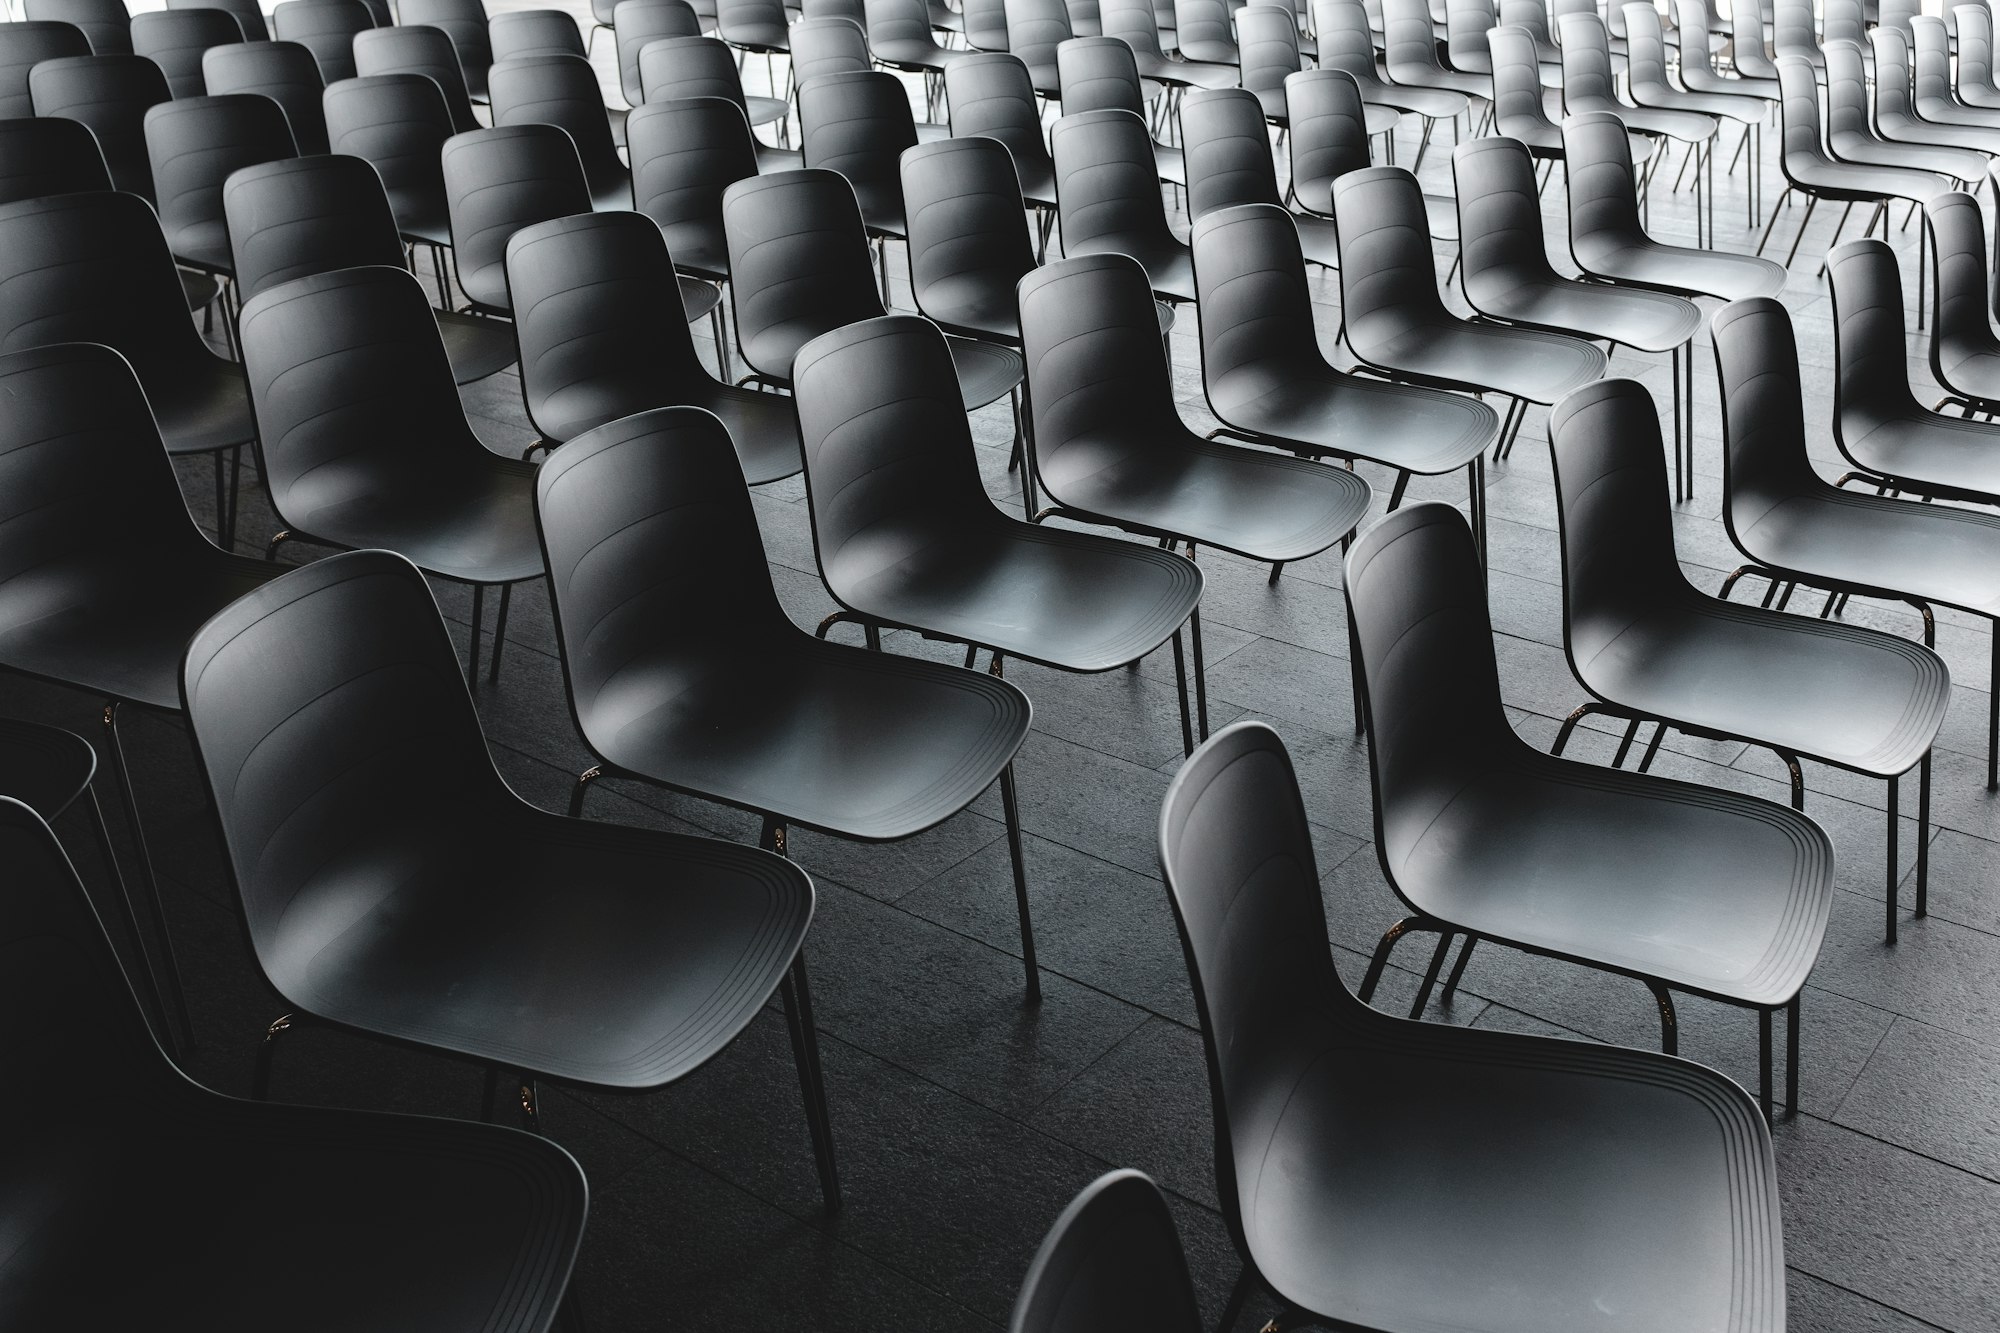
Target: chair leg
499,631
1238,1295
582,789
171,965
1792,1055
1893,811
1010,802
1200,674
531,1107
168,1036
1390,938
1924,835
478,619
1581,712
1993,719
1653,748
1445,938
1625,742
1670,1025
1764,1063
1277,568
260,1081
812,1082
1181,683
1458,969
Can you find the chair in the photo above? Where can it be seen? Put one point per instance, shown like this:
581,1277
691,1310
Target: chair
677,67
985,24
1749,48
1532,17
305,215
519,33
1850,134
1588,89
249,15
918,741
1109,445
1932,94
1608,242
968,248
1519,112
464,21
1647,82
890,465
1267,383
425,51
1508,278
109,94
106,24
1697,63
992,95
1347,45
827,45
588,291
685,153
798,264
1975,83
1965,354
44,155
174,39
1229,157
358,860
1035,28
1135,23
1113,1258
1101,73
25,45
1793,527
285,72
636,22
1466,23
1794,33
859,125
1268,41
1647,645
1583,1178
1109,201
326,28
1397,323
562,90
194,144
1843,21
497,181
899,35
1409,52
755,27
1203,32
398,124
1329,138
365,444
1896,116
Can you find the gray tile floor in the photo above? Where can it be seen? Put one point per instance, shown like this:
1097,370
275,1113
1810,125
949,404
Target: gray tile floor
965,1120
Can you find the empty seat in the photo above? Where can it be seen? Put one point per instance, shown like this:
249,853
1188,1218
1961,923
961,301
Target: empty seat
464,21
398,124
326,28
249,15
110,94
285,72
562,90
1109,197
106,23
636,22
426,51
174,39
195,143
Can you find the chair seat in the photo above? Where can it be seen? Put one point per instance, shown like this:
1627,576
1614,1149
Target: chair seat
1945,161
771,159
1704,81
1169,266
44,768
756,37
764,427
1272,102
698,297
1442,80
1649,321
931,132
611,191
1449,353
1944,555
1417,99
986,373
1742,109
203,245
765,110
198,288
1170,163
202,406
421,215
1847,181
477,346
882,209
1868,702
475,523
1265,506
1319,242
1678,269
1971,371
236,1210
1185,73
1709,891
1412,429
1935,111
913,54
1204,51
1637,1190
863,744
1938,454
1038,182
1680,126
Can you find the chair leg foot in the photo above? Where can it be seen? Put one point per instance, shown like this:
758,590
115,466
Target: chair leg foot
1670,1025
582,789
260,1081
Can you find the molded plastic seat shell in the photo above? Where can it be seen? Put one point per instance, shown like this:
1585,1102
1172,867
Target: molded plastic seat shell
285,72
1112,1259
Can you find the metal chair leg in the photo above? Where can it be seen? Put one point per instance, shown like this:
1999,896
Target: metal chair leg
1011,804
478,618
1445,938
1670,1025
1181,683
499,631
1384,948
1889,898
168,1037
582,789
1764,1063
796,993
1792,1055
123,773
1458,969
1238,1295
260,1081
1924,835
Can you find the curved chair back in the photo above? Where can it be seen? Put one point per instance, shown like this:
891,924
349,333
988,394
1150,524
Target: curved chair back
676,67
425,51
1959,274
798,264
194,144
991,95
1409,41
685,154
398,124
1084,19
1035,28
1256,309
829,46
1847,115
1798,118
1500,235
1893,96
1533,16
1603,198
249,16
1466,24
1329,134
464,22
1112,1260
1764,459
588,292
110,94
25,45
858,125
1518,109
44,155
1749,49
1267,38
1793,31
1204,26
1340,28
497,181
1095,74
888,24
1930,47
556,88
1842,21
1646,56
1586,62
754,25
327,29
1388,277
636,22
517,33
1895,15
1106,181
1132,22
106,24
285,72
1228,149
174,39
968,236
854,11
1870,350
986,24
304,215
1975,48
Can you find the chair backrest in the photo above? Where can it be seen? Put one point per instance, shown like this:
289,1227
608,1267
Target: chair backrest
398,124
1250,284
890,464
561,90
1750,52
174,39
1847,113
1205,23
382,756
636,22
798,263
327,29
1228,148
1518,109
533,32
1533,16
1896,14
1267,43
1132,22
1112,1260
1094,74
985,24
675,67
1842,21
588,292
965,221
307,215
464,22
854,11
1870,350
1975,46
25,45
1646,55
1793,30
1329,133
828,46
991,95
1764,459
1466,25
1409,40
1959,273
1695,16
1107,183
110,94
1084,19
194,144
1798,116
106,24
1893,95
1930,46
685,153
497,181
1340,28
892,21
411,50
249,16
858,125
44,155
1500,236
1237,855
755,23
1387,274
285,72
1587,77
1603,196
1035,28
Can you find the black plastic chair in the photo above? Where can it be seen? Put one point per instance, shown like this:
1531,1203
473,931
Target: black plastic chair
1110,446
685,153
969,249
588,293
1965,354
194,144
425,51
1409,52
899,35
1932,91
105,23
1267,382
1466,23
1795,528
992,95
1649,86
1112,1260
25,45
249,15
1579,1179
671,68
319,214
1109,201
110,94
562,90
1396,320
1589,88
919,742
496,182
1850,134
285,72
859,125
985,24
1229,158
519,33
1749,45
1329,138
1101,73
636,22
1347,43
174,39
1648,646
755,27
1268,42
907,537
1136,23
368,831
1508,277
1897,118
1035,28
398,124
1608,241
1974,82
827,45
366,445
44,155
464,21
326,28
